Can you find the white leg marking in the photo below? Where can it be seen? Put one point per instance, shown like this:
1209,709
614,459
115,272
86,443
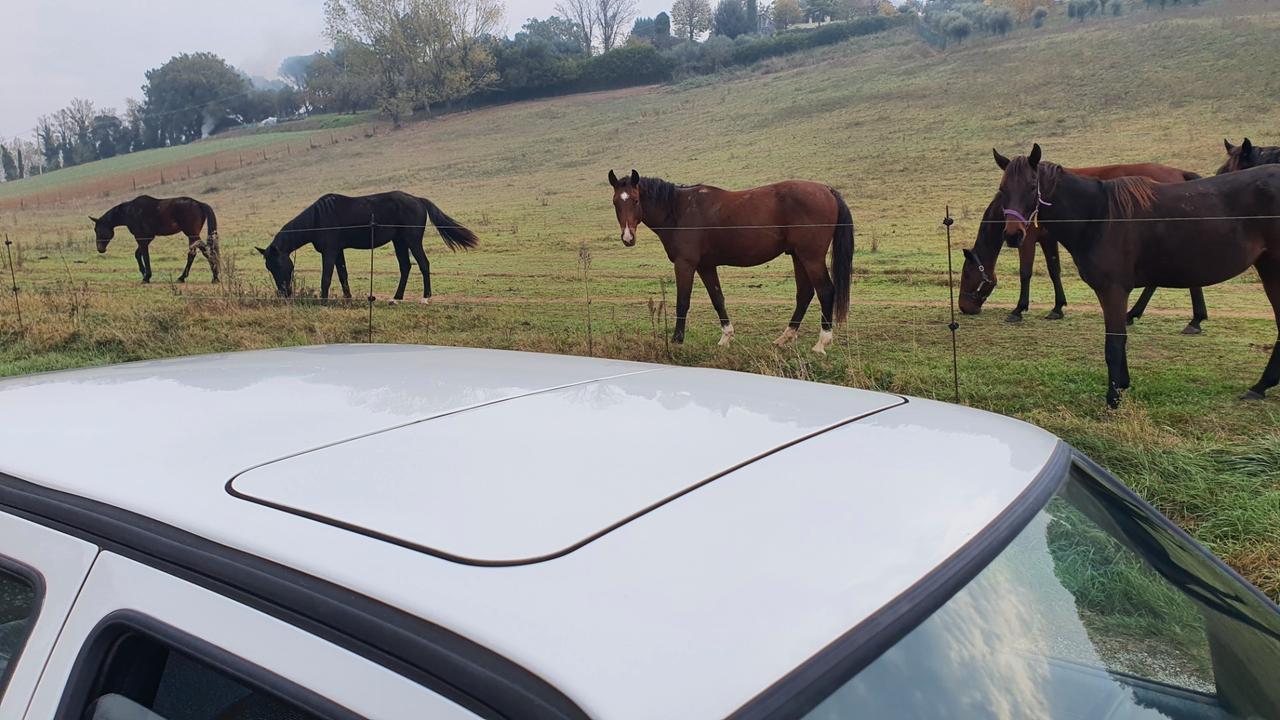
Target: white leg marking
425,301
824,339
726,335
786,337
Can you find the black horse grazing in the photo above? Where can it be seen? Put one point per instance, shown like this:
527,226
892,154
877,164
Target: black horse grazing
703,227
335,223
148,218
1247,155
1133,232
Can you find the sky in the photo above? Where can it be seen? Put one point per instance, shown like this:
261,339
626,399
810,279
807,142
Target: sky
101,49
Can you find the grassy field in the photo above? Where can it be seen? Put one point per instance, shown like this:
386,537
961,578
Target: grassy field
902,129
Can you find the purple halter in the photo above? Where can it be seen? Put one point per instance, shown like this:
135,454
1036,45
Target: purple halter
1034,220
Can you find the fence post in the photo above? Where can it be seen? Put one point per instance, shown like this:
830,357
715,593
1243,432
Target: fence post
584,267
13,276
372,225
948,221
241,159
135,183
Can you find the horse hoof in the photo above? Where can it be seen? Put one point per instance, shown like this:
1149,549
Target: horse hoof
1054,315
819,349
425,301
786,337
1191,330
1014,318
1128,320
1252,395
182,279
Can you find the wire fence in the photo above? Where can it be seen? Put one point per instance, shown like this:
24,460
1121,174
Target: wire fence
580,312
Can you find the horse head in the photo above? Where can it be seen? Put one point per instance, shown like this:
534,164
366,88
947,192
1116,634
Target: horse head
1020,194
977,280
1247,155
626,203
103,232
280,265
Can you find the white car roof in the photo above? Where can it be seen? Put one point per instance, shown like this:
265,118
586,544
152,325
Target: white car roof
654,541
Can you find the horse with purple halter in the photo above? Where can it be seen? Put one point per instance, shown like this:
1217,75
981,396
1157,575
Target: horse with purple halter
1133,232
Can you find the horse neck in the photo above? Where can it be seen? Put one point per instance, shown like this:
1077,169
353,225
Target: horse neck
1076,198
660,215
990,235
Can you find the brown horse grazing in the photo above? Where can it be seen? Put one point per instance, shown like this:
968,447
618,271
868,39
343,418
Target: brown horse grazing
335,223
1133,232
148,218
1247,155
703,227
978,278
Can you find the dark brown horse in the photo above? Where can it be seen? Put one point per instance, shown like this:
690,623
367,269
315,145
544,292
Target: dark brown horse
1133,232
1247,155
335,223
148,218
978,277
703,227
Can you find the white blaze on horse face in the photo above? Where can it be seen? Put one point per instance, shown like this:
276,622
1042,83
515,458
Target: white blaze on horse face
824,339
625,196
628,235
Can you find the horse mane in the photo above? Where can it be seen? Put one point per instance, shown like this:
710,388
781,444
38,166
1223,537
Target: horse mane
1127,194
311,216
660,195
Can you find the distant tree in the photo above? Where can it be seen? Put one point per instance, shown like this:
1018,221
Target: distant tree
190,95
731,19
582,14
612,17
662,24
47,139
294,69
563,35
690,18
819,10
1000,20
8,164
717,52
1117,7
787,13
753,15
1038,15
106,131
642,28
957,27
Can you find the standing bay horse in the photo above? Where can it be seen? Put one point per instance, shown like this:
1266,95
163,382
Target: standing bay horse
1133,232
335,223
978,278
148,218
1247,155
703,227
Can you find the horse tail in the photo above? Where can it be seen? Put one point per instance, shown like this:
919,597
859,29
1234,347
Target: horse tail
842,256
455,236
1188,175
211,222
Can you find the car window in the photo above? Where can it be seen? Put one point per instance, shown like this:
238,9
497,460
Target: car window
17,615
144,678
1095,610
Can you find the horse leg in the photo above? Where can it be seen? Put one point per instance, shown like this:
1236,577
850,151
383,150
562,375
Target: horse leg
1199,313
191,256
1113,301
1054,262
826,298
144,259
424,266
804,295
210,250
1140,306
711,279
340,262
209,253
684,286
402,257
1268,267
327,261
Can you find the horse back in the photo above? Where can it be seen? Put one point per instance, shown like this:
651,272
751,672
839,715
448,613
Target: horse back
1152,171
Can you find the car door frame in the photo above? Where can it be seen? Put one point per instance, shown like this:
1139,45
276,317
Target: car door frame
56,565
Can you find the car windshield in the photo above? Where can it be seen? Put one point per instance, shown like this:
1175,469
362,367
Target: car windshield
1095,610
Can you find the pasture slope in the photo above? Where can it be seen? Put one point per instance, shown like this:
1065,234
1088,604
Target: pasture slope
901,129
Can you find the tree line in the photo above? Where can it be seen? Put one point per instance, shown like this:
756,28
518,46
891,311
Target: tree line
404,57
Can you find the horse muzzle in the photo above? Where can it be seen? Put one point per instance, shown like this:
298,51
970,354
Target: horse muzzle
628,237
102,246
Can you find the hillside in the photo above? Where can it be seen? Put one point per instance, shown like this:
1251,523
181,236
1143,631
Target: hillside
901,129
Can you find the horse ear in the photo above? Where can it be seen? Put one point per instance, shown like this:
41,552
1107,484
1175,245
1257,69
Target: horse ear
93,220
1001,160
635,178
1034,158
1228,144
260,250
613,179
968,254
1246,147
